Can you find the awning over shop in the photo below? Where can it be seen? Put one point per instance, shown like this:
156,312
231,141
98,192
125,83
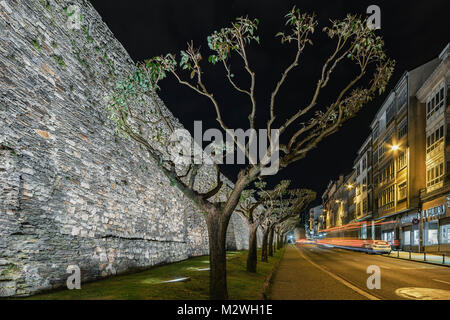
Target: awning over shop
364,218
396,213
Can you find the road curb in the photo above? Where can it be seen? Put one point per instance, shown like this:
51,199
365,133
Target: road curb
421,261
267,286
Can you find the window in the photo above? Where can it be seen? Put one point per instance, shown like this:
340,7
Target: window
364,184
402,191
387,173
376,132
435,174
401,98
375,156
357,170
386,198
365,206
402,128
390,113
358,189
388,236
382,147
415,236
435,101
430,233
381,150
407,238
435,138
445,233
401,161
388,138
364,163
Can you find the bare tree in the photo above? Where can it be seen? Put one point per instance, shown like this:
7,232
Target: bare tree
284,227
289,205
261,199
309,125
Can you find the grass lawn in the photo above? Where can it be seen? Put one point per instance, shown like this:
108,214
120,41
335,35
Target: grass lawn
147,284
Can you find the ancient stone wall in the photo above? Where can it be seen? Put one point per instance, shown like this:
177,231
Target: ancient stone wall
70,191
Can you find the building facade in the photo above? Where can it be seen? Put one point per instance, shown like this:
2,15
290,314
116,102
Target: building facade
398,141
399,189
315,220
338,202
435,214
363,186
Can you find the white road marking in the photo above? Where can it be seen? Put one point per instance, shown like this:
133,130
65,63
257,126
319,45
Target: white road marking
386,267
344,282
441,281
416,268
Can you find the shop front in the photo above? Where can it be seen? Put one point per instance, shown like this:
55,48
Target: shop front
410,232
389,229
436,225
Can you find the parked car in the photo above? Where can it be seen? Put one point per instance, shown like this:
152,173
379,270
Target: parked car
378,246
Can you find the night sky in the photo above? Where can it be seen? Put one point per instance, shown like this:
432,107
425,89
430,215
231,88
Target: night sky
414,32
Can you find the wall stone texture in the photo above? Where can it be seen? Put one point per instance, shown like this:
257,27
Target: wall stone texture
71,193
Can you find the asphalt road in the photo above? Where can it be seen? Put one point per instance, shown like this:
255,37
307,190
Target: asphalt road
309,271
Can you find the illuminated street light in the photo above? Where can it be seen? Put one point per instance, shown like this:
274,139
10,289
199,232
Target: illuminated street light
394,147
350,186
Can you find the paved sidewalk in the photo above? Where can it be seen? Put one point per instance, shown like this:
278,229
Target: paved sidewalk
430,258
298,279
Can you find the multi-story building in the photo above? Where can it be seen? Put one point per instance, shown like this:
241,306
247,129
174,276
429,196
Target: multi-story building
363,186
348,195
339,209
315,219
327,205
398,141
338,201
331,204
363,181
435,213
400,185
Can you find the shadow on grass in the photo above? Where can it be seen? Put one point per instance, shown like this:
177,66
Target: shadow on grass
148,284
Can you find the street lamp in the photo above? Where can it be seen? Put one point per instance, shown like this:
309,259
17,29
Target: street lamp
395,147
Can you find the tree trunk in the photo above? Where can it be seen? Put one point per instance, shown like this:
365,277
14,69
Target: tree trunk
217,221
279,245
274,241
270,244
265,239
252,248
217,226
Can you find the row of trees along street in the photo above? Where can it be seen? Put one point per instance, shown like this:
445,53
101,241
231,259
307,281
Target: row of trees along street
310,123
280,205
